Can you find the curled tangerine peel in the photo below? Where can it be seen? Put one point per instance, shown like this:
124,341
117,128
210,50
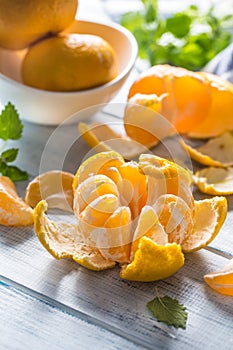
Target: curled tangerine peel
65,241
109,232
13,210
215,152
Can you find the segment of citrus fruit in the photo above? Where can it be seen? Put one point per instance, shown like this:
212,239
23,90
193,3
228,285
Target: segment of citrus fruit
214,181
118,236
188,98
65,241
94,216
83,61
217,152
143,121
176,217
153,262
164,177
133,187
54,186
25,21
222,281
219,117
208,219
96,165
103,138
148,226
92,188
13,210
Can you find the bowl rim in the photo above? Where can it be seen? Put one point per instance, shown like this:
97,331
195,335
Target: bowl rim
114,81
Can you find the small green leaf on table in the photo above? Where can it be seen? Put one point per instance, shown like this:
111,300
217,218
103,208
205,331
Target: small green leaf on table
168,310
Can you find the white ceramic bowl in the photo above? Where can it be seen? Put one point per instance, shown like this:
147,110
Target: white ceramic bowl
52,108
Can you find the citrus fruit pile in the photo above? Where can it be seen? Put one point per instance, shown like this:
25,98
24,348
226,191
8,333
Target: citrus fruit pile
140,215
55,60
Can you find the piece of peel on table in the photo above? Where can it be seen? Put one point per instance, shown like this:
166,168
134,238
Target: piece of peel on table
116,224
215,181
216,152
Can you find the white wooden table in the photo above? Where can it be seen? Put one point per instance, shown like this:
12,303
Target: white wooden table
50,304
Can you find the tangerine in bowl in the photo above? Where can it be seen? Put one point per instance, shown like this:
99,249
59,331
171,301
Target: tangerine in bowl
51,106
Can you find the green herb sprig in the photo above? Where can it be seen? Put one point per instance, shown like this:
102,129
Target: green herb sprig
11,128
168,310
188,39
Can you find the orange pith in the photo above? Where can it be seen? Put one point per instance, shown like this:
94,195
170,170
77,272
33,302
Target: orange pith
13,210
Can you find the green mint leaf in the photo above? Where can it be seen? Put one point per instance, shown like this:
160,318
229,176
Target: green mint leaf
10,124
14,173
151,7
169,311
9,155
179,25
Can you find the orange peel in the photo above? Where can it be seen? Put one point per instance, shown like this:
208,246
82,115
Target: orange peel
216,152
215,181
13,210
221,281
65,241
103,138
121,227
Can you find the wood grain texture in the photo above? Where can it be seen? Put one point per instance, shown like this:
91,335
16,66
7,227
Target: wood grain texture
28,323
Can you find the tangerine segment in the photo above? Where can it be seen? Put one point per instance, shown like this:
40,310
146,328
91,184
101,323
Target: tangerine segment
55,187
153,262
13,210
176,217
132,188
90,189
217,151
96,165
209,217
164,177
222,280
65,241
94,217
118,236
188,100
103,138
219,117
215,181
148,226
143,121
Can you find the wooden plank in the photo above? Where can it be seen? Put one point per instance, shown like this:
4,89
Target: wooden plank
121,304
27,322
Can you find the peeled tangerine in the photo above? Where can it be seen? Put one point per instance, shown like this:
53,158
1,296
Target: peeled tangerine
197,103
140,215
